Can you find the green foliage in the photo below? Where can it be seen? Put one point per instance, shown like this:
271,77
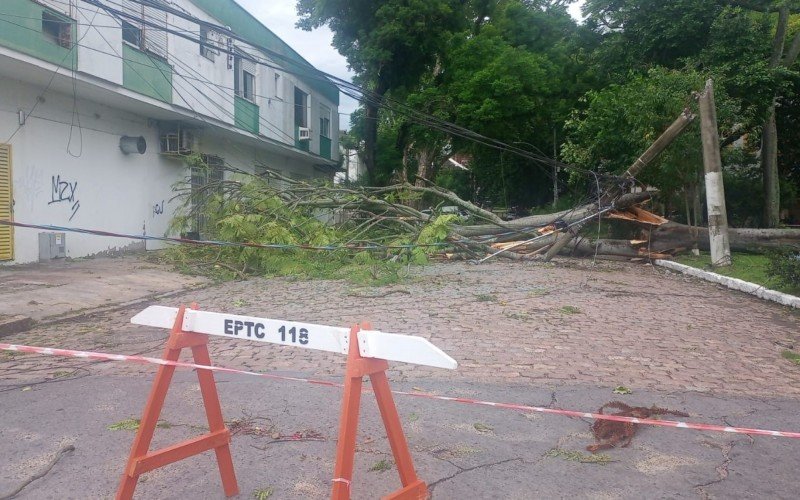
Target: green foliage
753,268
130,424
621,121
381,466
253,213
263,493
784,266
791,356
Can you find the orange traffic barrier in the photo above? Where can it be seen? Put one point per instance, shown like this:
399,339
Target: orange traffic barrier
357,368
218,438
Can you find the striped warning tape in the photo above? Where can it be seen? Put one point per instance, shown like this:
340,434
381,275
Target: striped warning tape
508,406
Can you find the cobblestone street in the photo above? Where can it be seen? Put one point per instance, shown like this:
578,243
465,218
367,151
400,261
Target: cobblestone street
613,324
561,335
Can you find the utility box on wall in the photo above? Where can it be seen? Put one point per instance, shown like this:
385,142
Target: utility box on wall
52,246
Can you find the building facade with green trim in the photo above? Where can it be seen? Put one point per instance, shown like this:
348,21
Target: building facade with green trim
101,101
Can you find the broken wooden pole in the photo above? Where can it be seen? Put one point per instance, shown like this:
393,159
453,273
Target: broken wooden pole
715,189
655,149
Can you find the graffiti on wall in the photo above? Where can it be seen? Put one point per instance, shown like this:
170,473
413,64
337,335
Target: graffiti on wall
64,192
158,208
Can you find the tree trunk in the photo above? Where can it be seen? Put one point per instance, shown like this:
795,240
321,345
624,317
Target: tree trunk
673,235
371,131
769,135
370,140
769,168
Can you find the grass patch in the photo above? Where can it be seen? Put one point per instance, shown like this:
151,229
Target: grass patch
569,310
263,493
520,316
577,456
621,389
381,466
132,424
483,428
486,297
747,267
791,356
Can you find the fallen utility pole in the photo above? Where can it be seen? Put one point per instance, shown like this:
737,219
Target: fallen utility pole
660,144
719,240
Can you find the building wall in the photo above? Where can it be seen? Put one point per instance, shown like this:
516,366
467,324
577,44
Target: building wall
86,181
76,176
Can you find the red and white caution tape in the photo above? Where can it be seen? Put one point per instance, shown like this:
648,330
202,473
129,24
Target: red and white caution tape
99,356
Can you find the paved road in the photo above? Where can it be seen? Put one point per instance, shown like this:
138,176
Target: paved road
562,335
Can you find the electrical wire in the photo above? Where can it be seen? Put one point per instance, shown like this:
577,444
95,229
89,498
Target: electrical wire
217,243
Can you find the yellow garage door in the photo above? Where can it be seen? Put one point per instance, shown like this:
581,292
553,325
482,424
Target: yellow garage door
6,232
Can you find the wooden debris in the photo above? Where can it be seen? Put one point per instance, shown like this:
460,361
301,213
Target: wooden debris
638,215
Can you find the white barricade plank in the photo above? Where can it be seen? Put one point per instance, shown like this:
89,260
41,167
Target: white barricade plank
372,344
403,348
274,331
323,338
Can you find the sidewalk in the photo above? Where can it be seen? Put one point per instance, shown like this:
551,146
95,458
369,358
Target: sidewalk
45,291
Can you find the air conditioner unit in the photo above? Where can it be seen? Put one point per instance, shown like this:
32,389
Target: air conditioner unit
303,134
180,142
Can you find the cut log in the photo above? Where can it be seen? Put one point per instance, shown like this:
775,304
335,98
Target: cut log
673,235
619,248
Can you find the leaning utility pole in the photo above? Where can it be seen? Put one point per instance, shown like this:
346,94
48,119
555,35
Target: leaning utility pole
715,190
655,149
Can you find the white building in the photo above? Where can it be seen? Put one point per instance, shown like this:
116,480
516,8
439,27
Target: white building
76,76
353,167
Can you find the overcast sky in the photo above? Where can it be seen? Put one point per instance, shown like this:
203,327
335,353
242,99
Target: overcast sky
280,16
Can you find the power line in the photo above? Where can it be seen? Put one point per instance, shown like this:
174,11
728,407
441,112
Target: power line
347,88
217,243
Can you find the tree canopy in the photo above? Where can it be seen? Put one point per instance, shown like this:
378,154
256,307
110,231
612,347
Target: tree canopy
594,94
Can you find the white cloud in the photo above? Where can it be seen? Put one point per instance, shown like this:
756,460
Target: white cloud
575,9
315,46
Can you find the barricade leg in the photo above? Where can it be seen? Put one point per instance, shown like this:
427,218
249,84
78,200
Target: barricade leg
141,460
413,487
357,368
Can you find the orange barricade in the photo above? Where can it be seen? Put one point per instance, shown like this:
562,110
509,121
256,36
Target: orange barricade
358,367
218,438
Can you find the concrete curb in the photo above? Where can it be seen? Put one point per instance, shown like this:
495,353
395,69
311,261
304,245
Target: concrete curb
733,283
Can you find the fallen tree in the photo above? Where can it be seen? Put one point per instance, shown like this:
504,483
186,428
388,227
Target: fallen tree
673,236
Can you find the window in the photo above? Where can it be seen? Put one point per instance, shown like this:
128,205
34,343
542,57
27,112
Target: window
324,121
57,29
132,34
248,86
150,36
206,47
300,108
244,78
206,183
